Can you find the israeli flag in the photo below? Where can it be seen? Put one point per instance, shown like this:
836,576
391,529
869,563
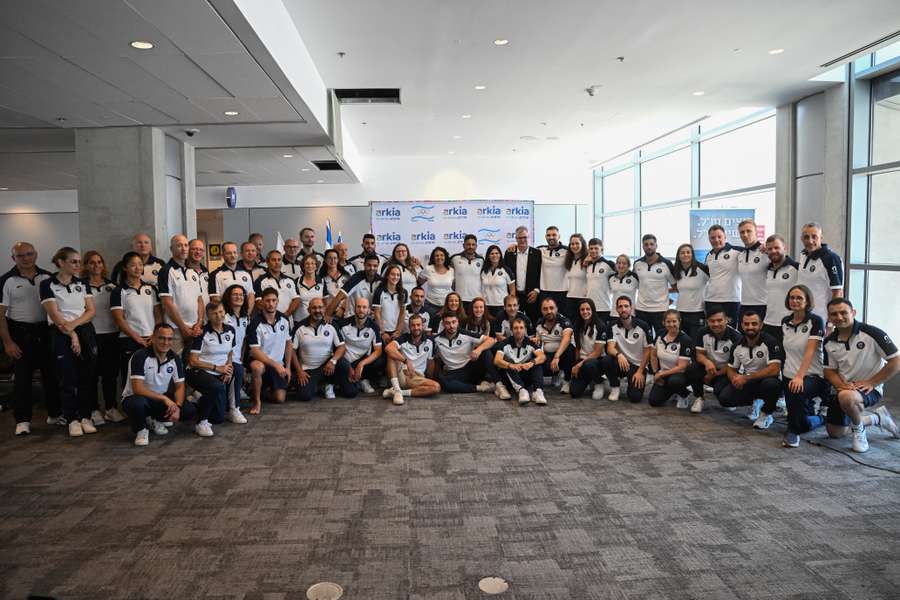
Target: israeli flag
328,243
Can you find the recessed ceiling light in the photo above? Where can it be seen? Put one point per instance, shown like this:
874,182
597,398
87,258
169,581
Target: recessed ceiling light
3,189
457,137
231,113
467,116
553,138
500,42
320,181
528,138
287,155
305,169
776,51
699,93
451,152
480,87
141,45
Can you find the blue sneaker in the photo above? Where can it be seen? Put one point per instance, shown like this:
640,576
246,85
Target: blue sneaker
764,421
754,410
791,440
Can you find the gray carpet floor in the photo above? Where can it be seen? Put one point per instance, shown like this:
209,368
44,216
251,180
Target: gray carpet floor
577,500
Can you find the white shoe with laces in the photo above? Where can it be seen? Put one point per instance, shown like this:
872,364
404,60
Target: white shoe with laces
142,437
23,428
114,415
366,387
236,416
75,429
524,397
501,392
87,426
860,443
614,393
389,392
681,402
538,397
329,392
156,427
697,406
484,386
398,399
886,421
204,429
599,392
564,388
97,418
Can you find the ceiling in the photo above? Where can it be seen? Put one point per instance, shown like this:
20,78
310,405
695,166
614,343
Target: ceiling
264,166
437,51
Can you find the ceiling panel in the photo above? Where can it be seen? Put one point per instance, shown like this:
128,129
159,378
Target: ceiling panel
12,118
140,112
66,75
193,26
238,73
182,75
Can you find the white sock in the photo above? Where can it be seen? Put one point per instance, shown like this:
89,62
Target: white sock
395,383
406,392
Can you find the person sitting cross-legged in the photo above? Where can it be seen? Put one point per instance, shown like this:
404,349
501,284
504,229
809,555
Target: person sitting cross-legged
363,341
320,356
590,339
459,353
410,363
518,360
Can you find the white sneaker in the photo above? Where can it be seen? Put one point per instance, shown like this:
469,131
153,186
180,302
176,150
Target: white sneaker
167,424
142,437
501,392
366,387
697,406
157,427
538,397
97,418
886,422
781,406
484,386
681,401
236,416
60,420
75,429
557,380
203,429
23,428
614,393
329,392
389,392
244,395
398,398
860,441
524,397
564,388
599,392
114,415
87,426
764,421
755,409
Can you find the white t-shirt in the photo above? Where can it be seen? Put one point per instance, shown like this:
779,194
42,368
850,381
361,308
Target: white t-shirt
437,285
577,280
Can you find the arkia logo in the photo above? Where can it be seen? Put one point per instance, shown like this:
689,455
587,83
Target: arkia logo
387,213
454,236
518,211
423,236
456,211
388,237
489,211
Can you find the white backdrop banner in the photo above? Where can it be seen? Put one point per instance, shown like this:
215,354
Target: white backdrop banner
424,225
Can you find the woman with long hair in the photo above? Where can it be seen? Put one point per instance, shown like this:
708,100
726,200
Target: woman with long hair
496,281
670,357
389,304
437,278
479,320
452,306
107,335
576,275
135,309
237,316
624,282
332,274
409,265
691,277
69,306
590,340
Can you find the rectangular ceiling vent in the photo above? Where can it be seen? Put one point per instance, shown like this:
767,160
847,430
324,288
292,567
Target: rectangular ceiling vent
368,95
328,165
863,50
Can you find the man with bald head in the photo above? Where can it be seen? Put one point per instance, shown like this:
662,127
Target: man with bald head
142,244
343,251
181,295
290,266
26,335
196,254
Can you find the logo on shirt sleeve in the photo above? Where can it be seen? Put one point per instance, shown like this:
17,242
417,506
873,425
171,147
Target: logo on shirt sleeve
786,276
170,369
756,260
812,268
860,345
759,354
147,291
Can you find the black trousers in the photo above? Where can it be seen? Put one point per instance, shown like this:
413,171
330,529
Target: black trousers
591,372
531,309
800,414
76,373
695,375
654,319
660,392
108,365
768,389
532,379
614,373
33,339
566,362
692,322
339,378
731,311
138,408
464,380
214,392
373,370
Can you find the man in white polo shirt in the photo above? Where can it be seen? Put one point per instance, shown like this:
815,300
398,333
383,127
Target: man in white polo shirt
821,269
410,364
181,296
754,371
553,333
368,249
655,277
859,359
518,360
554,275
459,353
753,261
319,356
269,342
712,351
290,262
142,244
361,284
627,352
231,273
250,260
724,286
362,338
288,299
467,271
781,276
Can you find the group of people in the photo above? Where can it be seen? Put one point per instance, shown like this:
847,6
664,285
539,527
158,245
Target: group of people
749,322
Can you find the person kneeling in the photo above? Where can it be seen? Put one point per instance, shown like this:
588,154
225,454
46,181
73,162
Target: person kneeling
627,352
590,339
459,353
518,361
671,357
554,334
410,365
320,355
154,391
753,371
712,350
269,340
362,340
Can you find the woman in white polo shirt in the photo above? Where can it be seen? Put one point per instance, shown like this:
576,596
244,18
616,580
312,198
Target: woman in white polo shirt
210,368
496,281
576,276
691,277
437,277
389,303
624,282
69,306
135,309
94,272
409,266
237,316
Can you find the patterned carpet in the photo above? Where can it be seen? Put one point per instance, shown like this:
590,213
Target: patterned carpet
577,500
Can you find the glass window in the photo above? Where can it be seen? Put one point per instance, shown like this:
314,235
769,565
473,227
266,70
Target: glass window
859,218
887,53
618,191
763,202
881,309
670,226
885,219
681,136
618,235
666,178
886,119
856,285
738,159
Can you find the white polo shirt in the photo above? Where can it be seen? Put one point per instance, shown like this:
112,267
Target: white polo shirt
156,374
239,324
576,280
630,342
670,352
551,334
360,341
753,262
514,353
332,286
794,340
306,294
69,299
778,282
717,350
359,261
214,347
357,286
269,337
223,278
862,355
426,317
747,359
419,353
150,275
822,271
554,276
438,285
294,270
692,289
137,304
182,284
495,285
653,283
626,285
589,337
467,275
22,296
724,279
316,344
389,304
454,352
284,285
598,290
103,319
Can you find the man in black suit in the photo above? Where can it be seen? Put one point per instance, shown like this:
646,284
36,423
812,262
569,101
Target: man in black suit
524,262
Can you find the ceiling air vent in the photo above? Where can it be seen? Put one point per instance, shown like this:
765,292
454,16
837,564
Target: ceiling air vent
368,95
328,165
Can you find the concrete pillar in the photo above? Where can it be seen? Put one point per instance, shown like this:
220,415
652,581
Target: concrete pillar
189,191
785,171
837,167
